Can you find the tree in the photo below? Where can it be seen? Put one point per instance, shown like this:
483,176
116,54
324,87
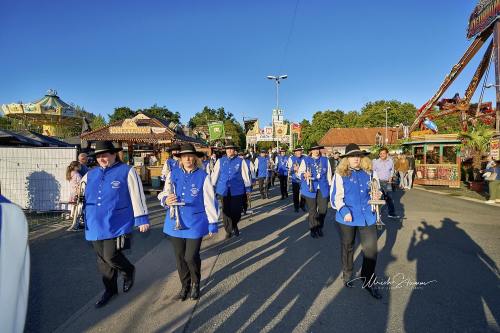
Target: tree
373,113
162,112
231,126
97,122
322,121
120,114
476,142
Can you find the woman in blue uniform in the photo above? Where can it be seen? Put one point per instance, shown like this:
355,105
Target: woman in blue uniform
293,167
189,193
350,193
114,204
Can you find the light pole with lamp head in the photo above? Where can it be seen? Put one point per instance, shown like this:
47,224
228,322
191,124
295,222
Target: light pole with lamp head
497,120
386,138
277,79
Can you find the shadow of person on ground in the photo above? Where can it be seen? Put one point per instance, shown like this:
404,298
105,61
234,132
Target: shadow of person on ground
465,296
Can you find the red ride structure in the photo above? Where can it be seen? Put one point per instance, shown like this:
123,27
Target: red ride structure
483,23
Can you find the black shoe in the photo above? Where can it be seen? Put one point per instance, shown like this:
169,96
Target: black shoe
319,231
374,292
183,294
228,235
105,299
296,210
128,282
195,292
303,209
313,233
236,231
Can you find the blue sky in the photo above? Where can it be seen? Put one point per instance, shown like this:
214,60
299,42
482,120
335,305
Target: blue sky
191,53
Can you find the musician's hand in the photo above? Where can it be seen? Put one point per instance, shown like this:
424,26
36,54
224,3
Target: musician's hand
307,175
348,218
378,196
171,199
144,227
295,168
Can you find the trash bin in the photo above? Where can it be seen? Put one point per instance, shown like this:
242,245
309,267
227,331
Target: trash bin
155,182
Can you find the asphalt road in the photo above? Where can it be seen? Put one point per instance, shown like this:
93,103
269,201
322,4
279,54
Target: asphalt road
276,278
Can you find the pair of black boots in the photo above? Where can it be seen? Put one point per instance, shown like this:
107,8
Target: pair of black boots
316,232
194,289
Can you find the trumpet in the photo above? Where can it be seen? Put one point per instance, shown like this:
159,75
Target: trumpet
309,180
376,203
79,208
174,208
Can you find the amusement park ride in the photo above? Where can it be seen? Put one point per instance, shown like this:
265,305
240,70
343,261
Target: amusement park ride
483,23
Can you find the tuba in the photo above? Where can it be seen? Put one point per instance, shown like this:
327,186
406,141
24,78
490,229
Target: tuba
376,203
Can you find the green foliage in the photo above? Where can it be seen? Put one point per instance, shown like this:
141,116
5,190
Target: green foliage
476,142
120,113
232,128
97,122
162,112
373,114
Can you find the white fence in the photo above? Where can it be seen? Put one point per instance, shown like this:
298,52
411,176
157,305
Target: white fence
35,178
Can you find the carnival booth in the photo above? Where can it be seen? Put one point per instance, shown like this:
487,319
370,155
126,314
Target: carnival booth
437,158
143,137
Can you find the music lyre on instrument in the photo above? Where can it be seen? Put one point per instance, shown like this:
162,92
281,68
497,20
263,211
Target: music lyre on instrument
376,203
174,208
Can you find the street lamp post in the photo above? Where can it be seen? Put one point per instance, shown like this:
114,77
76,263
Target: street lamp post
277,79
386,138
497,120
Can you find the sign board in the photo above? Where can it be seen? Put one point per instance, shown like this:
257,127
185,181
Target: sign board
495,149
484,15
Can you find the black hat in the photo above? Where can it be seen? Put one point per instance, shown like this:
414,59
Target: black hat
174,146
230,145
105,147
316,146
263,150
298,148
352,149
188,148
282,149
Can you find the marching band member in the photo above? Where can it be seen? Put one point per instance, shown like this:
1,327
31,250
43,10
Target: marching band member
251,172
263,173
232,182
171,162
281,163
293,167
114,204
316,176
191,221
206,163
14,267
350,193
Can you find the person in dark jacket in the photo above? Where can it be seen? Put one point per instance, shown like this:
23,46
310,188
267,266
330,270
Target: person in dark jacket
114,204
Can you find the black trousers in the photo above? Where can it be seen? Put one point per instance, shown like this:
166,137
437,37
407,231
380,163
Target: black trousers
110,261
245,204
298,200
187,259
264,187
369,246
231,211
387,197
317,210
283,186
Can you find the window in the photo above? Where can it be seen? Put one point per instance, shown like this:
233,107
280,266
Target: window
449,155
432,155
419,155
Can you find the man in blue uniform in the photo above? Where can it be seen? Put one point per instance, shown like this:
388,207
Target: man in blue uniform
316,175
114,204
246,157
263,173
293,169
281,163
232,182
